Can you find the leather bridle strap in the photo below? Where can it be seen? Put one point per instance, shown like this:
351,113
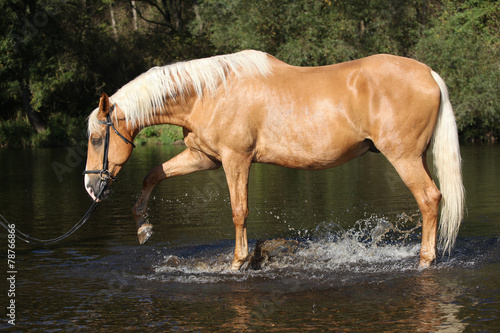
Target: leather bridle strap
104,174
109,123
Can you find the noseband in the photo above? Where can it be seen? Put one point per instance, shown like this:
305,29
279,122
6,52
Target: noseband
104,174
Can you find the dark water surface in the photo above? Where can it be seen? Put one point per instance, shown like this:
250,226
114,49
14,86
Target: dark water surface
349,262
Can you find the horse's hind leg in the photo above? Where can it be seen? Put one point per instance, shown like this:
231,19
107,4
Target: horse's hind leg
188,161
416,176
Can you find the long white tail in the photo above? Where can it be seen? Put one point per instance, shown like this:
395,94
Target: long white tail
448,167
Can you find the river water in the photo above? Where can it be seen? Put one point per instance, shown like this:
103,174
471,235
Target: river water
342,250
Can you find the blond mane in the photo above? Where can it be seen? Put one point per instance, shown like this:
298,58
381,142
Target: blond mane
142,97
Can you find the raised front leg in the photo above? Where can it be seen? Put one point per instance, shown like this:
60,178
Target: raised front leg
187,162
237,169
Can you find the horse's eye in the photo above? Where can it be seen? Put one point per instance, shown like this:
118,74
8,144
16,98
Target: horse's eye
96,141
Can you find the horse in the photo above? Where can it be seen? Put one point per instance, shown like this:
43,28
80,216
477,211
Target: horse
249,107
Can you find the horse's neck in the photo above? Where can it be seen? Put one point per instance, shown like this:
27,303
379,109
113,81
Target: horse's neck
173,112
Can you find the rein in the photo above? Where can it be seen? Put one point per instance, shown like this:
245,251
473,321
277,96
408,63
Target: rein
36,241
104,174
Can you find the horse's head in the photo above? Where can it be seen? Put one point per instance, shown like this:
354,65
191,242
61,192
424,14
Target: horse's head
110,146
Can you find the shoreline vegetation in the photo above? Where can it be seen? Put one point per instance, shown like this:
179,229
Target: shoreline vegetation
160,135
18,133
65,132
58,56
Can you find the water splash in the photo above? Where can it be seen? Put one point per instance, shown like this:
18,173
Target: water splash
372,245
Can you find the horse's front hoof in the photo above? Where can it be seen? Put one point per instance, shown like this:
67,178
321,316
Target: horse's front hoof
236,265
144,232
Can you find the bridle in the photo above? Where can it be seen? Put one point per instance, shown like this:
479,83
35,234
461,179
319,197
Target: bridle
104,174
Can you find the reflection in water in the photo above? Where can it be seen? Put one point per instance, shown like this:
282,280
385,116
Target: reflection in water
439,311
340,251
427,307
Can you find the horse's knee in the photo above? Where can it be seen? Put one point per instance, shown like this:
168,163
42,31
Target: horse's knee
240,215
435,195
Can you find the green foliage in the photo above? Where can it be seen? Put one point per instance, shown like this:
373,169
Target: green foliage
463,47
63,130
159,134
312,32
307,32
65,53
150,132
15,133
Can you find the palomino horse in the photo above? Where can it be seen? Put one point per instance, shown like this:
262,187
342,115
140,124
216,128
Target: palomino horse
251,107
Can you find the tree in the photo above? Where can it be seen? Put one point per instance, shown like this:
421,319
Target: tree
306,32
22,23
312,32
463,46
171,14
57,56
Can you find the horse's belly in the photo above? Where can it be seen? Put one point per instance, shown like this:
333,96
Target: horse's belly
309,155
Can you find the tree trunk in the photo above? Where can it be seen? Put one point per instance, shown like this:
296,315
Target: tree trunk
134,15
35,118
113,22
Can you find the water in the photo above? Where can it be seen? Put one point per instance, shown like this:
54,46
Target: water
341,250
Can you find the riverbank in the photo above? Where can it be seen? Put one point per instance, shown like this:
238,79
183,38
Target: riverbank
63,131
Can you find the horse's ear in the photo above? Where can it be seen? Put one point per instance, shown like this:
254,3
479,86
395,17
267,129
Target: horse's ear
103,107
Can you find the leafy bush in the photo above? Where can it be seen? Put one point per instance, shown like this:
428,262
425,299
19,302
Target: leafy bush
62,131
15,133
159,134
150,132
463,47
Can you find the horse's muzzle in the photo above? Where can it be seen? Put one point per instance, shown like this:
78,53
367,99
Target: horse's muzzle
96,187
